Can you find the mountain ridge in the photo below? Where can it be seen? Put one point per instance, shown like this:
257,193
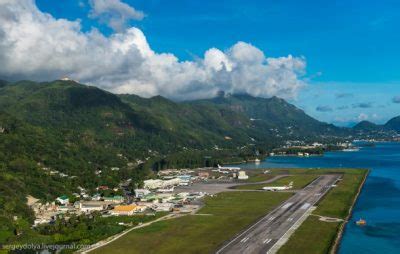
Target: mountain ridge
77,131
392,124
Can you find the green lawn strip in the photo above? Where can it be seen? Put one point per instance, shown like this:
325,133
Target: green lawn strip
231,213
339,199
299,182
315,171
313,236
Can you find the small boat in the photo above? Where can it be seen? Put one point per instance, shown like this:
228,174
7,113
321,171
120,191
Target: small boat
257,161
355,149
361,222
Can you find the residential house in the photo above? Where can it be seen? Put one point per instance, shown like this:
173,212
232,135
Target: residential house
115,199
63,200
91,206
163,207
242,175
139,193
152,183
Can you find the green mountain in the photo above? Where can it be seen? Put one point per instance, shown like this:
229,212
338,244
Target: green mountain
87,124
393,124
391,127
367,126
84,128
274,117
55,136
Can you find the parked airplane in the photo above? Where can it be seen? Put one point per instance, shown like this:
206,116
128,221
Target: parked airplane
278,188
228,168
166,190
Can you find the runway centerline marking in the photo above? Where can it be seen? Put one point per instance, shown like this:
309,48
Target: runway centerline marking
267,241
286,205
244,240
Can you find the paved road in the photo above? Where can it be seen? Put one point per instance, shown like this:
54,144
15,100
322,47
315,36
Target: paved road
263,235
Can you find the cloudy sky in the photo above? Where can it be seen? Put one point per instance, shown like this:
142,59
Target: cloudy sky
337,60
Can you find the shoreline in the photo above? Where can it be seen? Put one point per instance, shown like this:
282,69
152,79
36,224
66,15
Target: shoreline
335,247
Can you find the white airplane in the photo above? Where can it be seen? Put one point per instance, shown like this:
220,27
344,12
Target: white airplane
228,168
278,188
166,190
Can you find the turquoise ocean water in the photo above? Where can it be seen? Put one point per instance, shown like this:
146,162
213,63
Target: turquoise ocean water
379,202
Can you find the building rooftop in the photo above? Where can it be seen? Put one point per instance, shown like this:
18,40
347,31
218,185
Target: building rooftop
124,208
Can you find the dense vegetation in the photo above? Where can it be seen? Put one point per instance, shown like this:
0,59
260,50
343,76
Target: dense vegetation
55,136
80,230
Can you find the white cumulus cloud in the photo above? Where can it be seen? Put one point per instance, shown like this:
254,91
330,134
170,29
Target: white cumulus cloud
114,13
35,45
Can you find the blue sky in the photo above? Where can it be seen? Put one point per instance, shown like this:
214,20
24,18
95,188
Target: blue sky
351,47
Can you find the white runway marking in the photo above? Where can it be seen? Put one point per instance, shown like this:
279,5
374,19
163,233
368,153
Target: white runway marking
285,206
305,206
244,240
266,241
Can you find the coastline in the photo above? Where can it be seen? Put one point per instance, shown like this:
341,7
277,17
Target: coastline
336,245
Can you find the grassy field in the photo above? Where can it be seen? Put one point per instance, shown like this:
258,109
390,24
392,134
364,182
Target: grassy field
315,236
299,181
339,199
312,237
223,216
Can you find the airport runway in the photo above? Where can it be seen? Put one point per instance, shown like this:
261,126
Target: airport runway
261,236
217,187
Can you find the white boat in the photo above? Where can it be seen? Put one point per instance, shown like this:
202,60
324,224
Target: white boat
257,161
352,149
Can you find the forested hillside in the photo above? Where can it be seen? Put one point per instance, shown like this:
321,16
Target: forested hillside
55,136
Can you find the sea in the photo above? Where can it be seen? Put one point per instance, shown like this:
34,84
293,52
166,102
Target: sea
378,203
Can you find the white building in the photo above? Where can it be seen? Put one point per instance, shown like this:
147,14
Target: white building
139,193
91,206
152,183
172,182
163,207
158,183
63,200
242,175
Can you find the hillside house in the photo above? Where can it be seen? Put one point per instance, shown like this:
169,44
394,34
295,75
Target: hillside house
115,199
63,200
91,206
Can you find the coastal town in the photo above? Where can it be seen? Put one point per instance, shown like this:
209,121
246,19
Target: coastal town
168,192
175,193
157,195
